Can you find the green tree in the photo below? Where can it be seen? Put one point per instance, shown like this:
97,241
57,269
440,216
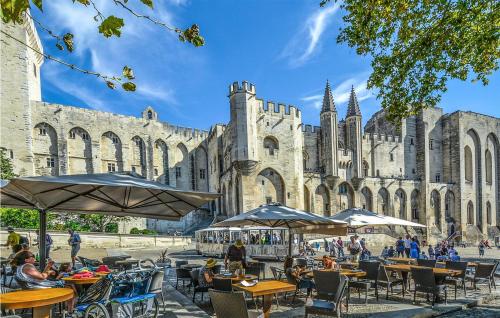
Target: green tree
15,11
417,46
6,167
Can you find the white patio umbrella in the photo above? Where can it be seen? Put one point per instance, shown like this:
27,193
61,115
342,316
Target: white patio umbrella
277,215
120,194
357,217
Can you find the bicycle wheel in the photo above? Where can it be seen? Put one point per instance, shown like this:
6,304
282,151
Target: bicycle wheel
96,311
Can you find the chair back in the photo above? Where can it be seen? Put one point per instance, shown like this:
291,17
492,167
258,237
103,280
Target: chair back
342,287
327,284
228,304
276,272
224,284
371,269
423,277
182,273
426,262
253,269
216,269
290,279
156,284
461,266
484,270
300,262
382,275
195,273
179,263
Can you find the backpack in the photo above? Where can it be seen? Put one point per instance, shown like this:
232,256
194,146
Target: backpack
24,240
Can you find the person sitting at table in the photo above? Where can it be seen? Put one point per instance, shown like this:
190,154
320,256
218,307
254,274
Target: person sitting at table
423,256
328,263
296,273
207,274
391,252
27,273
385,252
454,257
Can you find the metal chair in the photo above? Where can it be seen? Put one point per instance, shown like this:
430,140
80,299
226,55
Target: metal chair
425,282
252,269
222,284
426,262
196,284
454,280
179,263
371,269
383,279
484,274
330,287
86,262
230,304
156,286
182,275
277,272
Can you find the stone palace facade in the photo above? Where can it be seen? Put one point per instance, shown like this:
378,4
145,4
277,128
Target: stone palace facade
434,168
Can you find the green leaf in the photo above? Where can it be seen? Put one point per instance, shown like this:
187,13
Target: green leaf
191,35
129,86
128,72
149,3
110,84
111,26
38,4
68,41
84,2
13,10
59,46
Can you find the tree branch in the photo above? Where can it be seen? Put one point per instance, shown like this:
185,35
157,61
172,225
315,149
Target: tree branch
157,22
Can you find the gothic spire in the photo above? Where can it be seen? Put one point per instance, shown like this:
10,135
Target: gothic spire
353,106
328,104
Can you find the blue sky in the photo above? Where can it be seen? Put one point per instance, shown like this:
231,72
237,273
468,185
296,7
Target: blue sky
286,48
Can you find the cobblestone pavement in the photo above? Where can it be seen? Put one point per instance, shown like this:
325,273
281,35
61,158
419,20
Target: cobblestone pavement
490,309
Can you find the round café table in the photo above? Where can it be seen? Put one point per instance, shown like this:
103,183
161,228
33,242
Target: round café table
237,279
41,300
81,281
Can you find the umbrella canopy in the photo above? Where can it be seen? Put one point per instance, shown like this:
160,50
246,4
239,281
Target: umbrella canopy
356,217
120,194
277,215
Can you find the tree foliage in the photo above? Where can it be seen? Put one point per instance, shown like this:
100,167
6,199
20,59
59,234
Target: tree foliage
15,11
417,46
6,168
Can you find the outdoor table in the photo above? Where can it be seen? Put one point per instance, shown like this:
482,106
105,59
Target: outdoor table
349,265
237,279
127,263
41,300
403,260
469,264
191,266
266,289
345,272
81,281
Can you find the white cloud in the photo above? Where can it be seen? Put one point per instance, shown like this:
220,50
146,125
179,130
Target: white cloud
341,92
295,51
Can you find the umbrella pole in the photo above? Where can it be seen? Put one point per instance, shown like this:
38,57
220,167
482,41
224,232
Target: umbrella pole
290,242
41,238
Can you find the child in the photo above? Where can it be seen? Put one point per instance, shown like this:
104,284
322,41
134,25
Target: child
385,252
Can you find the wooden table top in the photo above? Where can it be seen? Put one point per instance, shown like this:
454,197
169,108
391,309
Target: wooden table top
35,298
237,279
469,264
345,272
402,260
436,270
82,281
266,287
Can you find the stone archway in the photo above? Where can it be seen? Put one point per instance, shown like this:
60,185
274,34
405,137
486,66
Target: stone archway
400,204
345,196
307,199
436,207
270,187
366,199
111,152
79,151
45,150
160,162
322,201
383,201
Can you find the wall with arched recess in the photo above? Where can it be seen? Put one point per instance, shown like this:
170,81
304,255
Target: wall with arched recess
270,187
79,147
45,149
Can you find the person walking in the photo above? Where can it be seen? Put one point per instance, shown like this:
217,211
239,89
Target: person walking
414,248
340,247
400,247
235,257
74,241
354,249
333,244
407,242
13,239
48,242
481,248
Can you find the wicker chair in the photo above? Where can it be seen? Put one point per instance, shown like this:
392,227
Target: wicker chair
484,275
182,275
371,269
383,279
425,282
277,272
426,262
455,280
230,305
330,287
253,269
222,284
196,284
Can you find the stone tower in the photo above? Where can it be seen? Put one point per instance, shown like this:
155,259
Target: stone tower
353,129
244,108
19,88
329,134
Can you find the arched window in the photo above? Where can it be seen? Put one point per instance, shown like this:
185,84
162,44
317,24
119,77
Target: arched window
150,114
470,213
271,144
488,166
468,164
488,213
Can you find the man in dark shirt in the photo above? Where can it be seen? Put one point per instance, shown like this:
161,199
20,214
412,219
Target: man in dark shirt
235,256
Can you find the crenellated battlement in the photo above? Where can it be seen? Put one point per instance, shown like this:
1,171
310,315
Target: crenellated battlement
271,107
311,129
383,138
245,87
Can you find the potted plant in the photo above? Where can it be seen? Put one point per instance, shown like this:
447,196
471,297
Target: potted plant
163,261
